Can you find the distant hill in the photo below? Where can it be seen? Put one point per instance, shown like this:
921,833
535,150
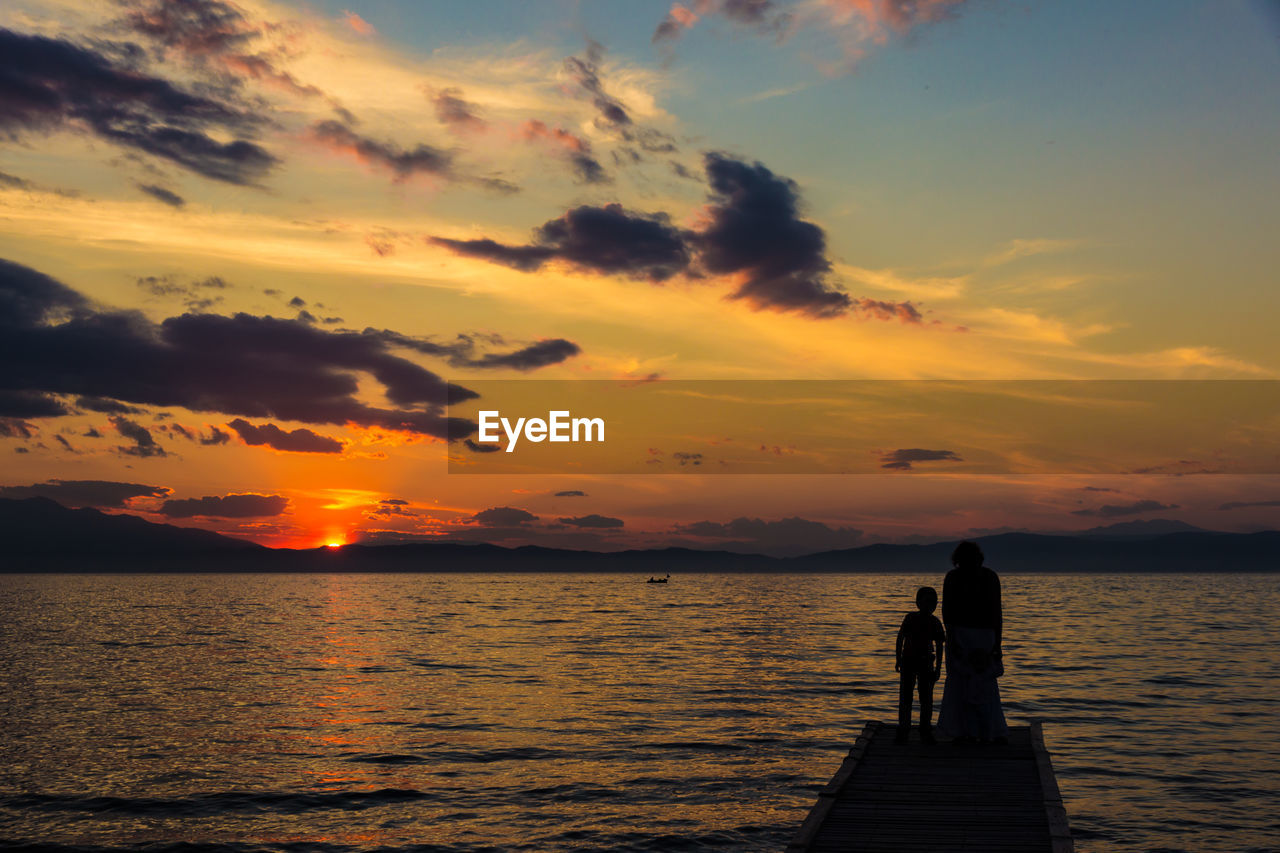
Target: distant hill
37,533
1150,528
40,535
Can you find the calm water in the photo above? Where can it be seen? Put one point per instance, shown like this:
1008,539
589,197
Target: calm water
549,712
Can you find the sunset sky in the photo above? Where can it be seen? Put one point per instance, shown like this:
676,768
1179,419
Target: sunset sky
249,250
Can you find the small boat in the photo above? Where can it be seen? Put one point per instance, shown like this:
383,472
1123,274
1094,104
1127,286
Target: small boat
659,580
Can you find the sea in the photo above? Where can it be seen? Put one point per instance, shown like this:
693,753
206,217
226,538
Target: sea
466,712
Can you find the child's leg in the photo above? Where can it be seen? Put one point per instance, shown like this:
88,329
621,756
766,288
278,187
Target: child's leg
906,686
926,700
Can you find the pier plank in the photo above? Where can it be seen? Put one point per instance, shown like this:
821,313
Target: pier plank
948,797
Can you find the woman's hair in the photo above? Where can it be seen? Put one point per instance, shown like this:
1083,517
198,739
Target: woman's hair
967,554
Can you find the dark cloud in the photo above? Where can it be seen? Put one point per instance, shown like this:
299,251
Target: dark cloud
179,429
578,150
78,493
585,72
226,506
462,351
144,444
503,516
402,163
593,520
22,450
786,536
1244,504
475,447
687,459
607,239
903,311
53,342
14,182
216,437
49,84
532,357
297,302
294,441
390,507
193,293
1119,510
29,404
764,16
163,195
105,406
1095,489
213,35
903,458
524,258
456,112
63,441
92,432
756,232
571,493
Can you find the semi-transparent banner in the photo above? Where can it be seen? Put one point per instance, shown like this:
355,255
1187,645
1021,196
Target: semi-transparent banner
866,427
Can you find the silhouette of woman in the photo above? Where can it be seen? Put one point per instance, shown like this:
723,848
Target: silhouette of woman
971,612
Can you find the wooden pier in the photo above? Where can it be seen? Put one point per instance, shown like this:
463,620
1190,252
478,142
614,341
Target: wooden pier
913,798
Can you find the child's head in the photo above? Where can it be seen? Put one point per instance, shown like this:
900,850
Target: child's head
926,599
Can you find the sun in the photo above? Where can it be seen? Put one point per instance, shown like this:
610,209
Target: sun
334,544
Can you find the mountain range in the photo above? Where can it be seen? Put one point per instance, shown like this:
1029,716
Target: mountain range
40,535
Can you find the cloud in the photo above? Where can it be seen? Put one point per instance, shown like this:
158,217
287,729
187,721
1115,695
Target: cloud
144,444
357,23
163,195
461,352
541,354
49,84
1119,510
294,441
53,341
194,294
216,437
578,150
475,447
678,20
78,493
903,458
1243,504
607,239
29,404
755,232
585,72
687,459
753,235
904,311
390,507
226,506
856,25
457,113
403,164
600,522
211,34
786,536
570,493
503,516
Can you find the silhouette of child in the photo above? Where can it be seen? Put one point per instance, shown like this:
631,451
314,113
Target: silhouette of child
920,645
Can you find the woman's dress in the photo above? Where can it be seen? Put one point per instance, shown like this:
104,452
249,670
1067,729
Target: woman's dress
971,696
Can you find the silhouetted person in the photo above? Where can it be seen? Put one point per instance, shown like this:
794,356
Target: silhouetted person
919,658
974,621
